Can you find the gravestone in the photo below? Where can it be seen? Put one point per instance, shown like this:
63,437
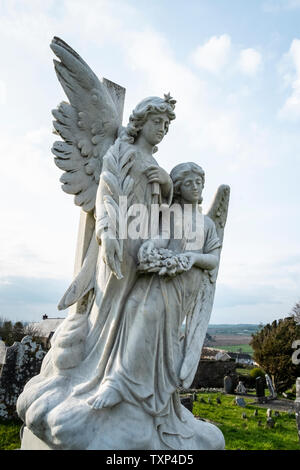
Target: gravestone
273,394
269,413
23,361
187,402
270,423
297,405
228,384
260,389
240,402
240,388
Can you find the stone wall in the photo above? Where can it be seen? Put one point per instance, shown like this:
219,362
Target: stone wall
211,373
23,361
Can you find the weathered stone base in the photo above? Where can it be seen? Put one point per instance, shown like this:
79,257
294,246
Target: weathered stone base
31,442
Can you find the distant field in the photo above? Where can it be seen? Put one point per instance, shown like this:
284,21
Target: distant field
239,329
246,348
230,340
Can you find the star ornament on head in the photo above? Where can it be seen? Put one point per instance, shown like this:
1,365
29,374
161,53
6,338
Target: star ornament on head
168,98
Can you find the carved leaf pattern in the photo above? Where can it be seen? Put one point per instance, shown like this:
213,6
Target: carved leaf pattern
115,175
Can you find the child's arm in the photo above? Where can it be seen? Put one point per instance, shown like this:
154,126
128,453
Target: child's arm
203,261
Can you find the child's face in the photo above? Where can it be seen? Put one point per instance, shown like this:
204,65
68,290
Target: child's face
191,188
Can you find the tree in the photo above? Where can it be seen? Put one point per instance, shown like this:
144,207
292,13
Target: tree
273,351
11,332
6,330
296,313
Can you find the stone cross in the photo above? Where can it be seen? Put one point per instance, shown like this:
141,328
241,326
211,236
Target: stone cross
87,220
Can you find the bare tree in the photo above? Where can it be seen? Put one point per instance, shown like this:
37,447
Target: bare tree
296,312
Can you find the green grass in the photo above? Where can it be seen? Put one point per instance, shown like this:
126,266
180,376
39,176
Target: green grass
239,433
10,435
245,434
246,348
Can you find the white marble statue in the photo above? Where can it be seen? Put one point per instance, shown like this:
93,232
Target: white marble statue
116,363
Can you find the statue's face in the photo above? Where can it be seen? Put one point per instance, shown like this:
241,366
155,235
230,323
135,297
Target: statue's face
155,128
191,188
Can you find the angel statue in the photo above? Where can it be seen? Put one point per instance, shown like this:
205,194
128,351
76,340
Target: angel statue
139,306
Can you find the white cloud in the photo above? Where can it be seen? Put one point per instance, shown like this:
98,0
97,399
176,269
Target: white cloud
250,61
213,126
3,92
274,6
214,54
291,75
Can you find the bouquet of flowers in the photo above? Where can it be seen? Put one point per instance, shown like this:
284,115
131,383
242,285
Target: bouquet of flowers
163,261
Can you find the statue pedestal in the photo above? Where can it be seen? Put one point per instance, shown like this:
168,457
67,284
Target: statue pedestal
31,442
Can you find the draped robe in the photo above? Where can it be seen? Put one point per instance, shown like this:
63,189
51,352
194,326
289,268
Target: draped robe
129,337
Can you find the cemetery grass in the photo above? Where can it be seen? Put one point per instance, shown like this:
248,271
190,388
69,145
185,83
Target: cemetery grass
239,433
246,434
10,435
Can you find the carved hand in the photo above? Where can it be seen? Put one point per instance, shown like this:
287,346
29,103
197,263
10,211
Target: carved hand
111,253
156,174
202,261
149,245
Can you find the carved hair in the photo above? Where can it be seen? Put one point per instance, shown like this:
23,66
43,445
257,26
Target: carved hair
182,170
139,115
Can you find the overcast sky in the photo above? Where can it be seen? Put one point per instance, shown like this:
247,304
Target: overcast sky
234,69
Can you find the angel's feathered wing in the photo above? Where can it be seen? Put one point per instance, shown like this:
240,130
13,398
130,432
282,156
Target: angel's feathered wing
89,124
197,322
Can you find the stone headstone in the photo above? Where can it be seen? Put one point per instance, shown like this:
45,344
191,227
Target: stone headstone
270,422
269,383
240,402
218,400
269,413
260,388
23,361
228,384
240,388
187,402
